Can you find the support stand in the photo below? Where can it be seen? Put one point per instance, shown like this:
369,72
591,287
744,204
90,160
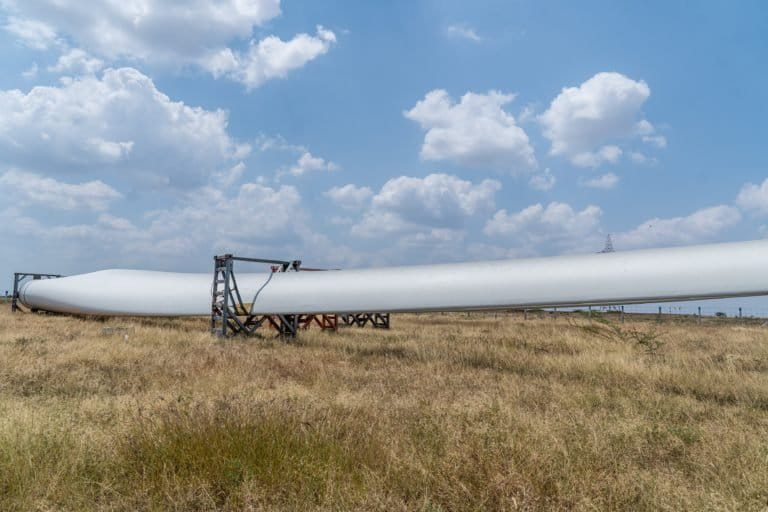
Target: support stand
325,322
18,278
377,320
229,315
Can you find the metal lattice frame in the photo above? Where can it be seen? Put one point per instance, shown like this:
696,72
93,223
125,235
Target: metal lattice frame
18,278
229,314
377,320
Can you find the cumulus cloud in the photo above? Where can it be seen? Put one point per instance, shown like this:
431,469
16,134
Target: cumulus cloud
641,158
350,196
558,227
196,32
33,188
462,31
606,154
190,227
34,34
556,224
544,181
118,123
146,30
278,143
309,163
78,62
585,123
269,58
436,206
475,132
606,181
273,210
700,226
230,176
657,140
754,197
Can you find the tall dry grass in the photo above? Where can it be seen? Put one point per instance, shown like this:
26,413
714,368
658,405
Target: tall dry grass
443,412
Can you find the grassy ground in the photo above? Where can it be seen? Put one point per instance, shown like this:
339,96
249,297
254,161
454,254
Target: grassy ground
443,412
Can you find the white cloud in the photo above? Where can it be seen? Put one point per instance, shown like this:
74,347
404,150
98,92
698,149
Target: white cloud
273,210
174,34
192,227
277,143
558,227
754,197
32,33
338,220
436,206
350,196
476,132
230,176
657,140
556,224
308,163
29,187
606,154
148,30
110,151
544,181
606,108
78,62
606,181
699,226
463,32
118,123
269,58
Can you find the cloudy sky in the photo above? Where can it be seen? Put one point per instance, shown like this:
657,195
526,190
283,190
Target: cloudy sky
157,133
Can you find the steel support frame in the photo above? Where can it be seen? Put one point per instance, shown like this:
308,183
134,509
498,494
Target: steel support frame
229,314
18,278
231,317
377,320
325,322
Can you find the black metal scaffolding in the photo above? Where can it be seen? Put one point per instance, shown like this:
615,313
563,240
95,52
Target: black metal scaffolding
377,320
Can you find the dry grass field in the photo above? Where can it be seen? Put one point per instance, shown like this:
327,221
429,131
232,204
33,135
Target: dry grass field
443,412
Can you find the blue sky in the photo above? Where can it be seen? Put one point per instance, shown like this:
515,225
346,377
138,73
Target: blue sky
155,134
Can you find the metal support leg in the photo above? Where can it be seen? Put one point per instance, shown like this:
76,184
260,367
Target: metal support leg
15,297
288,326
220,307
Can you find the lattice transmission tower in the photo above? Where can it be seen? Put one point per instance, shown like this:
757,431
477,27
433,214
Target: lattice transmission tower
608,245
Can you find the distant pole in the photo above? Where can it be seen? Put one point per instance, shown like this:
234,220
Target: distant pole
608,246
659,317
740,313
622,314
554,316
699,314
